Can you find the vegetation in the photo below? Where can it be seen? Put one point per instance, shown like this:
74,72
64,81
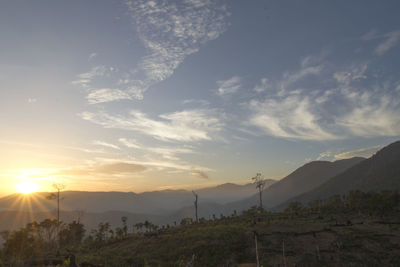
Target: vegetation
361,229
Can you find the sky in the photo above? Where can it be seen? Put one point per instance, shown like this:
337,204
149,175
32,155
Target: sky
140,95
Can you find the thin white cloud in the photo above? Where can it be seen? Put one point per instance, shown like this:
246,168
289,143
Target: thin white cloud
186,126
200,102
92,56
392,38
362,152
165,164
372,116
370,35
229,86
289,78
131,143
106,95
170,153
325,155
263,86
353,73
105,144
114,168
291,117
32,100
85,79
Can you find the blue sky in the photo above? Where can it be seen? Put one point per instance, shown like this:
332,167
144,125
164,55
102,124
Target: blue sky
145,95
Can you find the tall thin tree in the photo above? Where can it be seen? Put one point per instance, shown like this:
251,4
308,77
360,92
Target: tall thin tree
56,195
195,204
259,181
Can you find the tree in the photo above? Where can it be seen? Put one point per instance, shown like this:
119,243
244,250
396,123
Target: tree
195,205
124,226
56,195
259,181
73,234
59,188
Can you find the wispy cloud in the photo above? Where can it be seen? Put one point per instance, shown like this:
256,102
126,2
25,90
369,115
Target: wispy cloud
392,38
186,126
351,74
92,56
117,168
105,144
200,173
362,152
200,102
290,78
170,31
229,86
85,79
262,86
106,95
325,155
131,143
372,116
351,108
169,153
291,117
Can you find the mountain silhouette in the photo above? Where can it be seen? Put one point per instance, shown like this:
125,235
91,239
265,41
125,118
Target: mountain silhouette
303,179
377,173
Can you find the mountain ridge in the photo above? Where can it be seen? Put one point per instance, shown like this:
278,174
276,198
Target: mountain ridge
379,172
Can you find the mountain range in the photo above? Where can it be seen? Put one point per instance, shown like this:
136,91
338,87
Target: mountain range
314,180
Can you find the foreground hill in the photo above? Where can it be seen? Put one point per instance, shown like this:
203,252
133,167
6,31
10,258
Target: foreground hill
303,179
380,172
358,230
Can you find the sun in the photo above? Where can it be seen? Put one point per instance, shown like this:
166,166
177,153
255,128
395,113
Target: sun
26,187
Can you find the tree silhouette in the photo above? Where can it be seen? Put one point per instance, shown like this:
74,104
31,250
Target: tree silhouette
259,181
195,204
59,188
124,226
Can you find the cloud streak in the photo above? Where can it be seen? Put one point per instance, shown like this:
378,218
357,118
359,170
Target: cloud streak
392,38
185,126
229,86
117,168
291,117
105,144
363,152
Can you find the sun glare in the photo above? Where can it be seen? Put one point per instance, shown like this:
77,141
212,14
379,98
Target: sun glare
26,187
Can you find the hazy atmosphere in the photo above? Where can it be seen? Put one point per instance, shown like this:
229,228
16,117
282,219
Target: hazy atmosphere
147,95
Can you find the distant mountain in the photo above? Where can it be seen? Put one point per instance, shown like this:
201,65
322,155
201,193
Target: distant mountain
303,179
156,202
229,192
380,172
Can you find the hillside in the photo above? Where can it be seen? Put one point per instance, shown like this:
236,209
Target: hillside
362,232
380,172
303,179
